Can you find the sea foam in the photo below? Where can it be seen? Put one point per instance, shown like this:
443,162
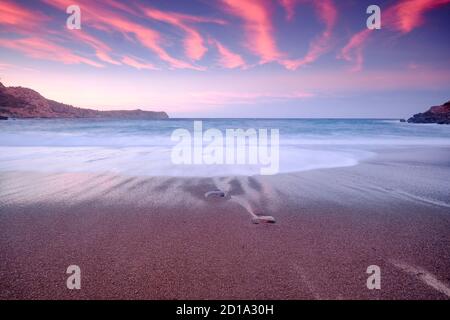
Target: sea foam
144,147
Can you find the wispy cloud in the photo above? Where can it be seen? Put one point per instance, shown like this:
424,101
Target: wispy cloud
140,65
102,50
327,13
114,32
119,22
24,22
289,8
407,15
353,50
223,98
227,58
42,49
402,17
256,17
19,18
194,43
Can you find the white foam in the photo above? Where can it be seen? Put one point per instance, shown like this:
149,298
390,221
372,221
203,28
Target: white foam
144,147
156,161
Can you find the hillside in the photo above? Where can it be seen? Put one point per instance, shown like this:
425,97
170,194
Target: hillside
18,102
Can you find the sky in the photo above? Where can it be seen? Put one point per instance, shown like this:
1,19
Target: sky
232,58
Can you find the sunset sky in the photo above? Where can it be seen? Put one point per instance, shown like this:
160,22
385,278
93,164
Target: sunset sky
232,58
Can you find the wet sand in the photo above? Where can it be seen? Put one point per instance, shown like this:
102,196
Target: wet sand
159,238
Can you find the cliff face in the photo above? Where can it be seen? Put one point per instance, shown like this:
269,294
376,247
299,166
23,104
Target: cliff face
18,102
438,114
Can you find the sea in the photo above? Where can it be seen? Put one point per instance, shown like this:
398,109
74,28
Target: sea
146,147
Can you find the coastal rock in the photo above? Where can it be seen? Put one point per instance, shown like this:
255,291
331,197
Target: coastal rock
3,118
437,114
18,102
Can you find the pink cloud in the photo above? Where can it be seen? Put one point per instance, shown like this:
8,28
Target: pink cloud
229,97
25,22
228,59
407,15
39,48
133,62
5,66
259,29
353,50
110,20
289,7
102,50
193,42
327,13
403,17
20,18
256,17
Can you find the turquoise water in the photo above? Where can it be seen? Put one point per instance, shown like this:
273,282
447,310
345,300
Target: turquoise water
144,147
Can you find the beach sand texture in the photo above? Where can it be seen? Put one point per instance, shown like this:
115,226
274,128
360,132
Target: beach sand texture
161,238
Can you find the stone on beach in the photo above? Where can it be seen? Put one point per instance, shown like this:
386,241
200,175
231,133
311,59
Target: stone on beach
215,194
263,219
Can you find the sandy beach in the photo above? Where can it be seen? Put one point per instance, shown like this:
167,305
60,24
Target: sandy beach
226,150
159,238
